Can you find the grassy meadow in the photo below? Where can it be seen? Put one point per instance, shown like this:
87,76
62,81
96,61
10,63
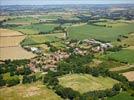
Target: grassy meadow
84,82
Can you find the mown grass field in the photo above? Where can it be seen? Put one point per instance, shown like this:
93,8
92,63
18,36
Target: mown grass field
124,55
98,32
34,91
84,82
121,96
35,28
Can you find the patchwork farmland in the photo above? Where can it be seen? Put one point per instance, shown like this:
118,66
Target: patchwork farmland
67,52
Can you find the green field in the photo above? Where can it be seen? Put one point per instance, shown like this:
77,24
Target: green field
24,20
35,28
121,96
98,32
84,82
34,91
124,55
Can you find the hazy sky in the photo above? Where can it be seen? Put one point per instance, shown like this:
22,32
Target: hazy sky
47,2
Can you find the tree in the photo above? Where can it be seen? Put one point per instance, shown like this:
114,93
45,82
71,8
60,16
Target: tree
27,71
13,81
2,82
71,94
117,87
28,79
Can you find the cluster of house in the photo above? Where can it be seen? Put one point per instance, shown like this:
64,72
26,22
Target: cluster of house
80,51
32,49
52,60
49,61
98,46
94,45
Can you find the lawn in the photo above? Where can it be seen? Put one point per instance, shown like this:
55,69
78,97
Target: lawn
34,91
84,82
97,32
124,55
121,96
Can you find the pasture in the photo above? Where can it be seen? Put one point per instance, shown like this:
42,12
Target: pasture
84,82
99,32
34,91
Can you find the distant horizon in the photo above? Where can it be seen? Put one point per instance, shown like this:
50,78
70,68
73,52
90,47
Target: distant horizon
64,2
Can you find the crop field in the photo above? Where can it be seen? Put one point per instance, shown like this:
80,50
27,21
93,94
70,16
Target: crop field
23,21
98,32
84,82
34,91
10,38
15,53
129,75
124,55
35,28
121,96
6,32
10,45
